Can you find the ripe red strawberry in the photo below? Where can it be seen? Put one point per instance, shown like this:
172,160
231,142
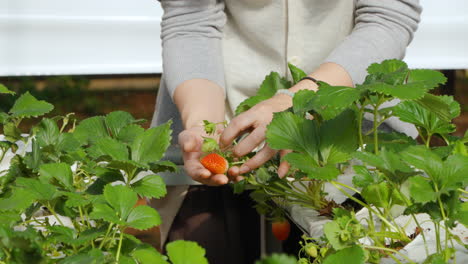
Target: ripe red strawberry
281,229
215,163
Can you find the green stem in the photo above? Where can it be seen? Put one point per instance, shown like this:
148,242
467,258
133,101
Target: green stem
428,142
376,134
106,236
119,247
360,117
365,205
390,250
422,233
54,214
82,220
438,244
461,190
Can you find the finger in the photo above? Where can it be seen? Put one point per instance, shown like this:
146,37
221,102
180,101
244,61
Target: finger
265,154
235,128
189,142
284,165
238,179
249,143
233,172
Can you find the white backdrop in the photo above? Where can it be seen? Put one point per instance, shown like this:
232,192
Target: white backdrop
48,37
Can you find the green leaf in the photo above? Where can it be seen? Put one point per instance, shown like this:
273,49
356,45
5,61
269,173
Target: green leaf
387,67
389,163
105,212
76,199
41,190
332,232
151,186
148,255
288,131
454,173
394,142
66,142
93,256
3,117
28,106
87,236
309,166
33,160
20,199
9,219
91,130
303,101
186,252
121,198
339,138
330,101
47,132
163,165
129,133
272,83
414,113
296,73
152,144
364,177
462,214
60,171
377,194
12,133
112,148
5,90
351,255
116,121
437,105
62,234
435,259
143,217
276,258
126,165
429,79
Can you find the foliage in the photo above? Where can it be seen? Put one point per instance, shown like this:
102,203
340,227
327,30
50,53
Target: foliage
323,131
72,188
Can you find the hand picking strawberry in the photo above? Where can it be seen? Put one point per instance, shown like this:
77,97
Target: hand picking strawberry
217,161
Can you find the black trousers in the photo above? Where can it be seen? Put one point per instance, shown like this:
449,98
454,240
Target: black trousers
224,223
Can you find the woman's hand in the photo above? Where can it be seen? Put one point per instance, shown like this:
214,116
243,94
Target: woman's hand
191,141
255,121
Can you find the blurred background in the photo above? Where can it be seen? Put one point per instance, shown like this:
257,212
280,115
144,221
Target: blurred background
92,57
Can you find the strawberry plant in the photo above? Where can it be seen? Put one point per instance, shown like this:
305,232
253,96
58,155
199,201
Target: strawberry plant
393,173
69,189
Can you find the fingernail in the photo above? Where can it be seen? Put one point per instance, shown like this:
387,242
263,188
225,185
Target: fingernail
244,169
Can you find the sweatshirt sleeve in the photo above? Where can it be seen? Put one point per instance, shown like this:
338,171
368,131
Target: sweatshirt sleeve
191,32
383,29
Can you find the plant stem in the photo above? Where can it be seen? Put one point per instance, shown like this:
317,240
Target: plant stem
119,247
367,206
437,231
106,236
375,125
422,233
54,214
390,250
360,116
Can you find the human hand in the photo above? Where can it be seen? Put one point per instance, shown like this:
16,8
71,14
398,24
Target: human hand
255,121
191,141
